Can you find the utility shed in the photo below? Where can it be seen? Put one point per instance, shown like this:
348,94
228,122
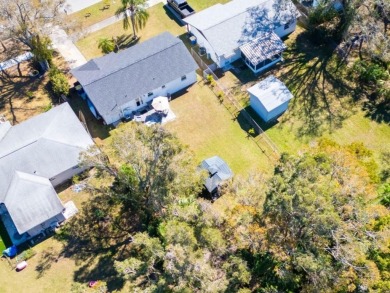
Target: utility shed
269,98
218,170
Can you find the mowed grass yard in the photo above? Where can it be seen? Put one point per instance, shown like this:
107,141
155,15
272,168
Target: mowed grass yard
160,20
208,129
48,271
97,13
323,104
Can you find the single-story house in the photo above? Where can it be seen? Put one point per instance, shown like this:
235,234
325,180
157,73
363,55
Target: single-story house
119,83
250,29
218,171
269,98
35,156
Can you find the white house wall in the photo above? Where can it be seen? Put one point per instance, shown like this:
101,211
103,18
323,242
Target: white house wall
67,174
41,227
170,88
282,32
203,42
258,107
277,111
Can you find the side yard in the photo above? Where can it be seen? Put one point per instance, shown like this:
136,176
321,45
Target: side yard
324,104
209,129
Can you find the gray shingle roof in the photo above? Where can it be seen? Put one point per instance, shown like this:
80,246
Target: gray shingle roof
267,45
45,145
228,26
31,200
117,78
219,171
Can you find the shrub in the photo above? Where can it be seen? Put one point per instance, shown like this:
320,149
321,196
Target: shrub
59,82
47,107
30,94
370,72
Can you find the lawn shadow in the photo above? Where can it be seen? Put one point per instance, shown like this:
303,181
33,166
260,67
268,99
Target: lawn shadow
103,270
16,84
322,96
46,261
95,127
378,111
126,41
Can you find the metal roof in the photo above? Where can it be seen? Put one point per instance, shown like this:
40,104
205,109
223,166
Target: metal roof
219,171
271,92
117,78
226,27
267,45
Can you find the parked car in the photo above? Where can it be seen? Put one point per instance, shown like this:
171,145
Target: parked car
181,7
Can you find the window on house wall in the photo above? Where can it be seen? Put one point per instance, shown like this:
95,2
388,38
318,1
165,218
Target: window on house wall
183,77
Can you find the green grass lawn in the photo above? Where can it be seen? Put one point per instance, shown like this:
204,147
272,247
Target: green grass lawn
203,4
323,104
160,20
207,127
97,13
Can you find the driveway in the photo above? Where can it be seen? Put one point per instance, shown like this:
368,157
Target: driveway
67,49
77,5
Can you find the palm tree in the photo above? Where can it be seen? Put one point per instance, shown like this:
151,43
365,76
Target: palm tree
106,45
134,12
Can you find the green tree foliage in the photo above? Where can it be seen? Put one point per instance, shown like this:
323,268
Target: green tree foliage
106,45
59,82
42,49
317,221
134,12
316,225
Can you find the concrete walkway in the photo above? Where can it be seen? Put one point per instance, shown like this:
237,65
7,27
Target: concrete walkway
67,48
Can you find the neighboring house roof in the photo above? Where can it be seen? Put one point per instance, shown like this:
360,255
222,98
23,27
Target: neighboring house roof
117,78
219,171
31,200
271,93
45,145
226,27
267,45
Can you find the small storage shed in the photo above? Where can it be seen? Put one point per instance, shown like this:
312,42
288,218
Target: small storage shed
269,98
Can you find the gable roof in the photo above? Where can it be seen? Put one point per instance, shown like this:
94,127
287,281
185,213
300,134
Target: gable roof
115,79
45,145
228,26
31,200
219,171
271,93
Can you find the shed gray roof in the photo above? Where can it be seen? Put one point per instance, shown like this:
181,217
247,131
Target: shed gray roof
226,27
45,145
271,92
267,45
219,171
31,200
117,78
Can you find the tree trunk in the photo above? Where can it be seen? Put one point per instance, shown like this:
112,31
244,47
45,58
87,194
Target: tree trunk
132,18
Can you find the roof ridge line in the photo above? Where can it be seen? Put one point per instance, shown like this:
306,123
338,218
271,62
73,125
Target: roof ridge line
22,147
141,59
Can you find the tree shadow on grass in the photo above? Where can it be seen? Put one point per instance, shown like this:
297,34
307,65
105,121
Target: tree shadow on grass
45,262
103,270
322,96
